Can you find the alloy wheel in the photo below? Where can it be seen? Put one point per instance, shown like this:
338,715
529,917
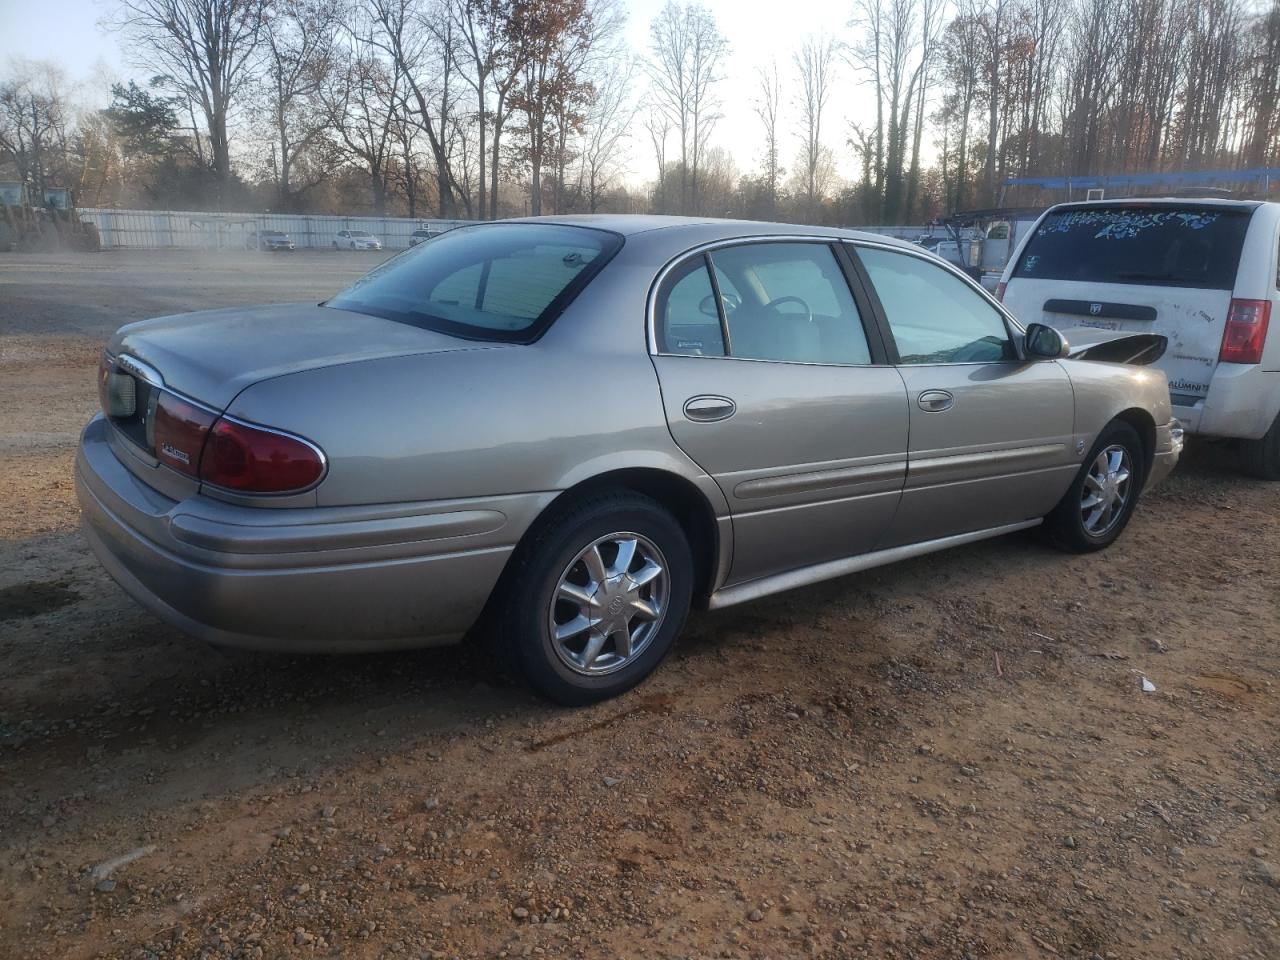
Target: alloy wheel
609,604
1106,490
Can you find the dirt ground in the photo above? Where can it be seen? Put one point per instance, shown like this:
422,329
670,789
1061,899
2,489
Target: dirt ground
948,758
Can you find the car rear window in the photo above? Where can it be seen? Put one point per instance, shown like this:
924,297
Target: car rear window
486,282
1168,246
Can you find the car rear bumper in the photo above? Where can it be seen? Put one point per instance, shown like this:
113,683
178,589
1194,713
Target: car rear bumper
313,579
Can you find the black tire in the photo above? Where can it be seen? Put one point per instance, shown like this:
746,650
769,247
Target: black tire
522,619
335,244
1065,526
1261,458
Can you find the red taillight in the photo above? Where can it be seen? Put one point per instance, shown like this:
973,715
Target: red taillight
256,460
1000,290
1246,332
180,429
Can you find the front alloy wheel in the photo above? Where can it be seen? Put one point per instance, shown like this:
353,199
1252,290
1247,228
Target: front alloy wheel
1106,490
1101,499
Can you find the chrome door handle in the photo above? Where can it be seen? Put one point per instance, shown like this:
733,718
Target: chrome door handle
708,409
936,401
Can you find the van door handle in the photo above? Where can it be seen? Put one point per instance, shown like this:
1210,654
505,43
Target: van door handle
708,409
935,401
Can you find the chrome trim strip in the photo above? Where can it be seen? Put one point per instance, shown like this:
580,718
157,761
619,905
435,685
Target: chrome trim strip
819,480
803,577
139,369
930,465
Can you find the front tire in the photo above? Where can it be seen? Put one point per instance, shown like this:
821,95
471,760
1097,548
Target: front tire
595,598
1261,458
1100,501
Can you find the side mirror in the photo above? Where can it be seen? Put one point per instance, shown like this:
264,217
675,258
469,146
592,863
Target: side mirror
1045,343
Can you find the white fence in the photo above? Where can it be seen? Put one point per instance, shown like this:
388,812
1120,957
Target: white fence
161,229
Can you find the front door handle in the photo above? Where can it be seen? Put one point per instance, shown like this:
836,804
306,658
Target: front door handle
708,409
935,401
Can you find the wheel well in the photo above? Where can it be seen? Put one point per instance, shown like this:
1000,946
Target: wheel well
686,503
1142,421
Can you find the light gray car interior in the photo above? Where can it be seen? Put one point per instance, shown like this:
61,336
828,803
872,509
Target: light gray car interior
558,434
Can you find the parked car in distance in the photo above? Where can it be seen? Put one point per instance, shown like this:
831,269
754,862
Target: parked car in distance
581,427
268,240
356,240
423,234
1202,273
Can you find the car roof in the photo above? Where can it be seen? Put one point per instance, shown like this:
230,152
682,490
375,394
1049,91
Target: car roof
629,224
1159,202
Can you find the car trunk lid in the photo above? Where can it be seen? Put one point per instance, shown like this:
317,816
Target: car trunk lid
212,356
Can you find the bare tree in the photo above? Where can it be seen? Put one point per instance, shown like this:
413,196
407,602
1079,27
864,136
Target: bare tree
890,57
412,38
686,47
206,49
608,123
34,121
766,108
814,63
299,41
489,46
361,101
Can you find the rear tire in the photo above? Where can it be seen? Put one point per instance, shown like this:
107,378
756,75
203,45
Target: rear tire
1261,458
1100,501
582,616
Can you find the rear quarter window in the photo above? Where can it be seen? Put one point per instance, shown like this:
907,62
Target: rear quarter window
1145,245
490,282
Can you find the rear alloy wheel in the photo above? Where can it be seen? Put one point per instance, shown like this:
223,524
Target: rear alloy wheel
1097,507
595,599
1261,458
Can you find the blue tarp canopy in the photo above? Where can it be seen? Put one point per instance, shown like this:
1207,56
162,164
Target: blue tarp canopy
1256,175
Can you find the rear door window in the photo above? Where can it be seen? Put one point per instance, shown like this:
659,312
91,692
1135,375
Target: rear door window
1148,245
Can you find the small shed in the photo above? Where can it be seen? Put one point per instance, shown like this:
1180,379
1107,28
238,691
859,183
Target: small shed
57,198
13,193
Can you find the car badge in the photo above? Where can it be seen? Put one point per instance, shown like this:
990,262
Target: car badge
1095,308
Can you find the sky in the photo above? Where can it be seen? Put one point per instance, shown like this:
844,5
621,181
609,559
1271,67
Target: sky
67,32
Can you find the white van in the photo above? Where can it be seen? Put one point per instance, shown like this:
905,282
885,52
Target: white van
1201,272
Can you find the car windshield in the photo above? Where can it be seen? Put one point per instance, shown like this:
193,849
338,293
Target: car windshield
361,233
492,282
272,233
1182,246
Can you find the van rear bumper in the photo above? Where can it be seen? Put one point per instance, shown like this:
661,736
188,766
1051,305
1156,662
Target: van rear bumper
1242,403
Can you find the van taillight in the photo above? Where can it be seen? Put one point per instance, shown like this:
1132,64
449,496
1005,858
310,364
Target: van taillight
179,429
1000,287
250,459
1246,332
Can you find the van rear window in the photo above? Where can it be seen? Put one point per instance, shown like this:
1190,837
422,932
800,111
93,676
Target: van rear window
1166,246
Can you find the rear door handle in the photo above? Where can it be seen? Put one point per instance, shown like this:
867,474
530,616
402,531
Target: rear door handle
708,409
935,401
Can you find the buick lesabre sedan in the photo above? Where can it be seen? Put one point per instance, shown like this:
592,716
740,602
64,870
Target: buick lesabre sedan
569,431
